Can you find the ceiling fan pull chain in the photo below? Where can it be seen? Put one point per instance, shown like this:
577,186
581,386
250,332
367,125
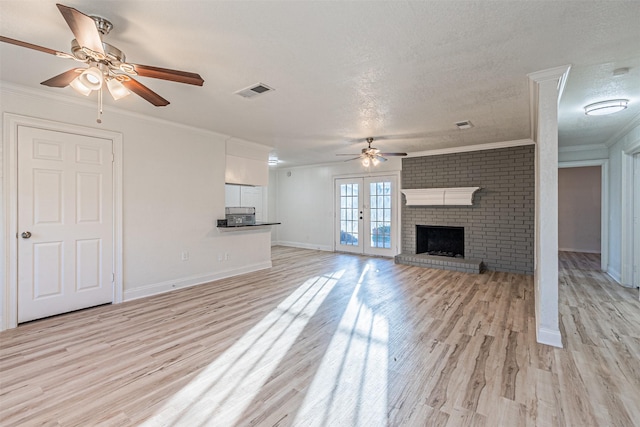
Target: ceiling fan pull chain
99,119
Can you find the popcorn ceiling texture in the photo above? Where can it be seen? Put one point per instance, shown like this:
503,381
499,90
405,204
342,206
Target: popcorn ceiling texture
499,227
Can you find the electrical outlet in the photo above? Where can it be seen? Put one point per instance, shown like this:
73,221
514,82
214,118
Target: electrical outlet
185,256
226,256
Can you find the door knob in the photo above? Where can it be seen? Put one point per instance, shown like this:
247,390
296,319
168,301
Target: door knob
26,234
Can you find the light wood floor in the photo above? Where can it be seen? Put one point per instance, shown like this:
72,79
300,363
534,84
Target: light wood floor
325,339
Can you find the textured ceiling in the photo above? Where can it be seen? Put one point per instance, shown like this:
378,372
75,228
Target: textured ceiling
406,71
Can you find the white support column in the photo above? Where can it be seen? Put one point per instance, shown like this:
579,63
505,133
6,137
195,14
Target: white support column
546,87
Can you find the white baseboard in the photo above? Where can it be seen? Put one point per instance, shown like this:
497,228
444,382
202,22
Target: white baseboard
171,285
584,251
549,337
305,246
615,275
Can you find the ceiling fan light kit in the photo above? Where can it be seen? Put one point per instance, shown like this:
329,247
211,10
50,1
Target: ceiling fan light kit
371,156
603,108
106,64
117,89
79,87
91,78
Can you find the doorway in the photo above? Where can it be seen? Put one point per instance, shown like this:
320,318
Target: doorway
603,194
630,216
52,206
636,221
579,209
367,215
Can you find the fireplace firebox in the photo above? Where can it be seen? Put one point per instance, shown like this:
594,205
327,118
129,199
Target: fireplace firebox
440,240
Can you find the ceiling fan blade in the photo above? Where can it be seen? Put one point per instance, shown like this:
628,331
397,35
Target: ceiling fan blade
144,92
33,46
355,158
166,74
63,80
392,154
379,157
83,28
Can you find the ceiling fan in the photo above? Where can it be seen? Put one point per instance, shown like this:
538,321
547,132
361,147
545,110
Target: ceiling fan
371,155
107,64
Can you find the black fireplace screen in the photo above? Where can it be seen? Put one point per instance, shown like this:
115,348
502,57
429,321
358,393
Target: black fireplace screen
440,240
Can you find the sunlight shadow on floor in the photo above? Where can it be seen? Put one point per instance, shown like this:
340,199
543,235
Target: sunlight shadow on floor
222,391
354,368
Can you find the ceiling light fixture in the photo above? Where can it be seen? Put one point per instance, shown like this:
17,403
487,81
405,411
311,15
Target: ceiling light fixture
91,78
370,160
606,107
117,89
95,78
79,87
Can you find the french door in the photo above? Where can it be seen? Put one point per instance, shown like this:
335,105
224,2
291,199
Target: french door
366,215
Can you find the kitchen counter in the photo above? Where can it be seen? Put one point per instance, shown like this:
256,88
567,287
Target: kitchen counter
245,226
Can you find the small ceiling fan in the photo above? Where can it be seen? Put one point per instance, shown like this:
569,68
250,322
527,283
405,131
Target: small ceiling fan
107,64
371,155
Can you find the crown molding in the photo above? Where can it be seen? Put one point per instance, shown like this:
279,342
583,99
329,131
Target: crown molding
555,73
590,147
623,131
476,147
561,74
20,90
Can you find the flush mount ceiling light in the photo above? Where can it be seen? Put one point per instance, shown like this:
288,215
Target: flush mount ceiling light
606,107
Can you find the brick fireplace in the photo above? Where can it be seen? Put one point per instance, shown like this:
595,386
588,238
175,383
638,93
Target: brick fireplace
498,227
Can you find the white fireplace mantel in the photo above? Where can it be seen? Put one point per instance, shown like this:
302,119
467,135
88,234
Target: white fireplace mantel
457,196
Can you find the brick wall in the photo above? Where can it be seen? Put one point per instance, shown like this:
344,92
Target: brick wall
499,227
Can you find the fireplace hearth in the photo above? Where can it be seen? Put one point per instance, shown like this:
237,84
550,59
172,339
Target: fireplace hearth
440,241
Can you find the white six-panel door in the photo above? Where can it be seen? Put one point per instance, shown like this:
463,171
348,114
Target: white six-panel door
65,222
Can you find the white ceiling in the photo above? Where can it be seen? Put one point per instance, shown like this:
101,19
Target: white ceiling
347,70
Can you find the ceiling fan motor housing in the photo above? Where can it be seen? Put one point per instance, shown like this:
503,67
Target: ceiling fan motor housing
113,57
103,24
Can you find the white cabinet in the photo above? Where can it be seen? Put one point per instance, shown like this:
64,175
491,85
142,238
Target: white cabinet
247,163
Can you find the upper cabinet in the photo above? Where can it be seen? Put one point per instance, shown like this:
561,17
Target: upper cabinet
247,163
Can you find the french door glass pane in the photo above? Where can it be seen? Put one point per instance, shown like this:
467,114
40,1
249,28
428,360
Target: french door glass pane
349,214
380,214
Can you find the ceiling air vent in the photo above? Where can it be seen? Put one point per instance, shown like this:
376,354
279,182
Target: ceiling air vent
466,124
254,90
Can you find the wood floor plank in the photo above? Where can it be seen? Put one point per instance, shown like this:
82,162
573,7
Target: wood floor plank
333,339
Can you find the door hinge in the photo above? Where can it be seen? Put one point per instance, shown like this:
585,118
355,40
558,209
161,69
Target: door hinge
113,277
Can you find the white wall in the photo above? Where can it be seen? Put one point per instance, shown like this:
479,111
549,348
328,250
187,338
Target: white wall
272,204
579,209
618,152
173,179
305,202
